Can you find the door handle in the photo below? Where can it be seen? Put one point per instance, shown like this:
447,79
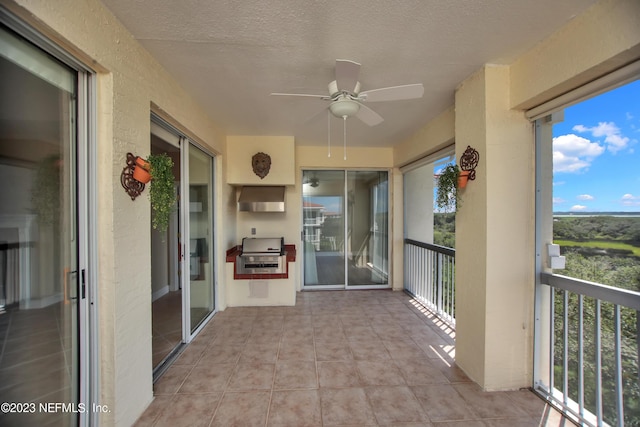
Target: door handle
67,287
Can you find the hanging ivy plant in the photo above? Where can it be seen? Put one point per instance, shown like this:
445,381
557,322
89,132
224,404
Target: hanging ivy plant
161,193
448,197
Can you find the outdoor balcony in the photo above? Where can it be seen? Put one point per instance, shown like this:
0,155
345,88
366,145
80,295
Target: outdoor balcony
366,358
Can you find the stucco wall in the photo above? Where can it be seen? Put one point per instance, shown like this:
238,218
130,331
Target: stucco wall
600,40
129,82
437,134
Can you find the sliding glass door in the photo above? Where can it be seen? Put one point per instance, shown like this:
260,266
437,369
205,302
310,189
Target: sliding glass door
201,260
345,229
43,243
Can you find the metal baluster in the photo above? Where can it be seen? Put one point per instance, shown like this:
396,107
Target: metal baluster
565,348
552,335
581,356
618,355
598,345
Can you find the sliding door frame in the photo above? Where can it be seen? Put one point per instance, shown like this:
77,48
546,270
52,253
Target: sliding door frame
345,285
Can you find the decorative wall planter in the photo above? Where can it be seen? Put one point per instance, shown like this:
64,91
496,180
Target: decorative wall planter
131,186
159,168
141,172
463,178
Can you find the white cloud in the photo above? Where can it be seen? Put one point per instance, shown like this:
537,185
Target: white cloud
630,200
629,116
612,137
585,197
573,153
576,208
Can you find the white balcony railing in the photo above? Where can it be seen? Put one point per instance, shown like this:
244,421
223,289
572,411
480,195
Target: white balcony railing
429,275
587,350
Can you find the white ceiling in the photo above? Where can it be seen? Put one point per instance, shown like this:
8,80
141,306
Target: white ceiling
231,54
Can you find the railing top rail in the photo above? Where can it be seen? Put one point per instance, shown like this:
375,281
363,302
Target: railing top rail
436,248
619,296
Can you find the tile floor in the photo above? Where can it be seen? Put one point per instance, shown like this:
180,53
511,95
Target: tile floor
357,358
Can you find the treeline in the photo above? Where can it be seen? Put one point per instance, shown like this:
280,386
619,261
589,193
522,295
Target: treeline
444,229
624,229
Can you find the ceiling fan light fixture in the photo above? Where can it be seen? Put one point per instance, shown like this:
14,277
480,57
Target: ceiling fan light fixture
344,107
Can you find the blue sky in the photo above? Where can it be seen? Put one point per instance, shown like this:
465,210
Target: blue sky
596,155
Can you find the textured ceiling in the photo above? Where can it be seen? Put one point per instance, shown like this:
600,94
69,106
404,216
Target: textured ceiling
230,55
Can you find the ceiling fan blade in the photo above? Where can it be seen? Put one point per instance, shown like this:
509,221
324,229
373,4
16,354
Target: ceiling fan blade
300,94
347,73
394,93
368,116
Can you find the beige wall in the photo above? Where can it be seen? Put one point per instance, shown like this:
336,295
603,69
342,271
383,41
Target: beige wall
129,83
436,135
600,40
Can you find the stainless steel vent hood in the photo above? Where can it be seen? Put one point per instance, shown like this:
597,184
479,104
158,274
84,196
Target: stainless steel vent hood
261,199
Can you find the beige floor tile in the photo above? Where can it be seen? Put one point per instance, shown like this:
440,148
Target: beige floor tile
338,374
367,358
333,351
360,333
295,374
192,353
260,336
299,408
297,350
242,409
421,371
260,352
379,372
207,378
442,402
221,354
488,404
171,380
252,376
346,406
193,410
395,404
328,334
369,350
403,349
153,411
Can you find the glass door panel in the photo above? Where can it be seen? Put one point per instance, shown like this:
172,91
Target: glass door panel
367,233
362,197
323,228
201,261
39,332
166,292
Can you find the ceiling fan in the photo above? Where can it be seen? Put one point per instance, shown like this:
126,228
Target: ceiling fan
346,98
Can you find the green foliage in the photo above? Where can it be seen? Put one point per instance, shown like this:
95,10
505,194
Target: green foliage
162,193
448,196
577,228
444,229
45,193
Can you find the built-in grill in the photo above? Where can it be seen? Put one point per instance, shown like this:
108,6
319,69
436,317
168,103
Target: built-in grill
261,256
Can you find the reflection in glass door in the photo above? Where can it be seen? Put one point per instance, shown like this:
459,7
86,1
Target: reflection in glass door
166,292
200,254
345,229
367,228
39,233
